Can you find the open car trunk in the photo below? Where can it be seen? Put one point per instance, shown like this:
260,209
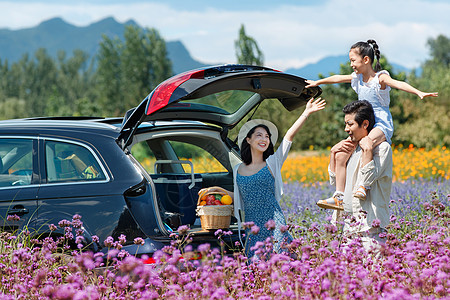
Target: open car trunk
221,96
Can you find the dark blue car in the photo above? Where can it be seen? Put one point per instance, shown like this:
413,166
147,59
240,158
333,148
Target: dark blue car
133,175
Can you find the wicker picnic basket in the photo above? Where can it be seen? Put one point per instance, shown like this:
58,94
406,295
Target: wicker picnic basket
214,216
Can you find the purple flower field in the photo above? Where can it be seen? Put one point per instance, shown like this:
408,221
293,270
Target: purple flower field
407,198
322,264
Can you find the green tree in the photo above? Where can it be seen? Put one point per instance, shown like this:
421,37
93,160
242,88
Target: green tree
108,77
72,85
128,70
247,50
34,80
12,108
427,122
439,50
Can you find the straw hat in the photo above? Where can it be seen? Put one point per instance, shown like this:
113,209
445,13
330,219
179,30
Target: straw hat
253,123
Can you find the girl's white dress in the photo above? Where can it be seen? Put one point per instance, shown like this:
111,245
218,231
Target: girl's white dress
372,92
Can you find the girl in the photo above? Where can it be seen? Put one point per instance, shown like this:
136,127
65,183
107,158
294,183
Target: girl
372,85
258,182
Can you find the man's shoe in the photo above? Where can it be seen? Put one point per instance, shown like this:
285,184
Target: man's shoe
361,193
331,203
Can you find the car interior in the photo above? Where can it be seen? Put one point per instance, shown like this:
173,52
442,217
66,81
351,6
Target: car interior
180,164
16,162
70,162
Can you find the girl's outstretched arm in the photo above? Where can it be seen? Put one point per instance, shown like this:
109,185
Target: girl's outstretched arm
329,80
311,107
403,86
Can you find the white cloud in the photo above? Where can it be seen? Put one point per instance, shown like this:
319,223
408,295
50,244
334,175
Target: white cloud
289,35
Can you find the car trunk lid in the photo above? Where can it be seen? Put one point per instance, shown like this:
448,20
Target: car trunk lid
221,95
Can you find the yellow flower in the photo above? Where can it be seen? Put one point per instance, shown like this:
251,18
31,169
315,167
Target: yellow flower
312,167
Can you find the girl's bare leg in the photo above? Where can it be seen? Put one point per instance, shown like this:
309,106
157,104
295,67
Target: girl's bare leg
377,136
341,170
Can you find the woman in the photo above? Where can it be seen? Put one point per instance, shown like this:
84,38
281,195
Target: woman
258,182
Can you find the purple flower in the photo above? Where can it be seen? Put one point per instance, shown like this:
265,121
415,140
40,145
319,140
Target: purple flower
68,234
219,293
12,218
109,242
65,291
247,225
95,239
112,253
204,248
270,225
326,284
76,223
64,223
122,254
183,229
254,230
122,239
139,241
52,227
376,223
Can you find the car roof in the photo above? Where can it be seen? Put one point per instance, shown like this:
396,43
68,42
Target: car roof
40,125
103,126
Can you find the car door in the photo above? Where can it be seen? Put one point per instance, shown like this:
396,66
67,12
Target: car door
19,182
75,182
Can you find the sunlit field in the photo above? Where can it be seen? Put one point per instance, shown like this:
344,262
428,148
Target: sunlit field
413,264
310,167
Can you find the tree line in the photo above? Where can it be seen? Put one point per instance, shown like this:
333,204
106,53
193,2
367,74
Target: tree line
126,69
122,73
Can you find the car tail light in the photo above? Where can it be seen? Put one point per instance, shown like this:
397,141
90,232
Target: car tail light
151,260
161,95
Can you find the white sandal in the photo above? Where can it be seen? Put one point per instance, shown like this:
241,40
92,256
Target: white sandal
331,203
360,193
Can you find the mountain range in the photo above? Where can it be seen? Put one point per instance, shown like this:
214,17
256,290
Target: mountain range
56,34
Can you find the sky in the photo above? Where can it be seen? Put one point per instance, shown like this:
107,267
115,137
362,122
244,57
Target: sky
290,33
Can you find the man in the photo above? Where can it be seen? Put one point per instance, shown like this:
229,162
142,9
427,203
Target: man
364,168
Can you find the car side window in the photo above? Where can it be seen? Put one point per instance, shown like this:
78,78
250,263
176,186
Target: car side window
16,162
70,162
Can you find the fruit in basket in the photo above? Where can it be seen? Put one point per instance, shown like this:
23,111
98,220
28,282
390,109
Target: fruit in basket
210,199
226,200
202,203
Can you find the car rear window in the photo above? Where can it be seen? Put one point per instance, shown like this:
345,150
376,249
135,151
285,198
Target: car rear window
228,101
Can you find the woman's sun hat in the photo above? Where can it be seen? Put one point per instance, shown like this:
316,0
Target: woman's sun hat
253,123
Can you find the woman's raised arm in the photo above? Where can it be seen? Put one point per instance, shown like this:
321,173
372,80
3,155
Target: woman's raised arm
311,107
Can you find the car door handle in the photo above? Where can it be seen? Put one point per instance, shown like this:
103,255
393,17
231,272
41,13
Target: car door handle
20,211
